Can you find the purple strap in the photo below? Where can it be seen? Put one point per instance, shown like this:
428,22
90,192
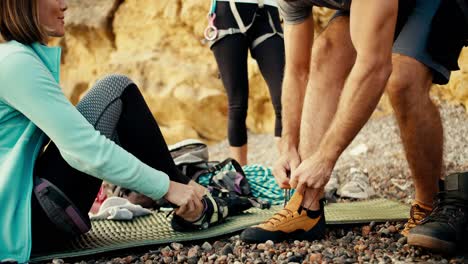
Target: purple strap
237,182
41,186
77,219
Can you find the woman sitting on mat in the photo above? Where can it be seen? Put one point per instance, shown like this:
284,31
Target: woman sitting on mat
82,150
235,27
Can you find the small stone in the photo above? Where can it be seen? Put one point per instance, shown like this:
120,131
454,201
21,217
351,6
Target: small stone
177,246
166,252
128,259
213,257
316,247
315,258
206,246
295,258
217,245
402,240
289,254
148,261
167,260
269,244
193,252
365,231
392,229
359,248
227,249
144,257
222,259
57,261
261,246
384,231
180,259
192,260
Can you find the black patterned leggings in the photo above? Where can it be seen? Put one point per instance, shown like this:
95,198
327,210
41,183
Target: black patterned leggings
117,109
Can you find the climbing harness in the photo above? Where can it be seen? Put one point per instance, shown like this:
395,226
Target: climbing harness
213,34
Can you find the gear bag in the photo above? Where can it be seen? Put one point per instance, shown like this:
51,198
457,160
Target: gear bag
60,209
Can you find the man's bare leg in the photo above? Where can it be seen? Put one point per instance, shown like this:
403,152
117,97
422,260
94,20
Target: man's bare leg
419,122
333,56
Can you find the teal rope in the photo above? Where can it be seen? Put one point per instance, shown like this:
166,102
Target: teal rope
261,180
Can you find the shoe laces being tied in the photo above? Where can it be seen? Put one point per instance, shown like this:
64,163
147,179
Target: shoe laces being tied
293,205
278,217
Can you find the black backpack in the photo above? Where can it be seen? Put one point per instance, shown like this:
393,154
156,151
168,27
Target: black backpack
191,158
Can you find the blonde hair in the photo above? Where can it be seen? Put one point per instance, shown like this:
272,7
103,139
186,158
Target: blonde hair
19,20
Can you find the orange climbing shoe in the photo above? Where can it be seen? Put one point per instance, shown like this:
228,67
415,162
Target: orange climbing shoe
291,223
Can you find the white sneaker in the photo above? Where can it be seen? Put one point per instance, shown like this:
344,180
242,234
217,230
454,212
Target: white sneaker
358,186
332,187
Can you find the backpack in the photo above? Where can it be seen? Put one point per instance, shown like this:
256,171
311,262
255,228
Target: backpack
226,178
192,158
60,209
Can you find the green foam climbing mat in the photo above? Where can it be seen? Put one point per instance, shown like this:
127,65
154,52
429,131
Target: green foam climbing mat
152,230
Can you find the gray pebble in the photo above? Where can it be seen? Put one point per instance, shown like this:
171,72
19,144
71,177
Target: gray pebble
206,246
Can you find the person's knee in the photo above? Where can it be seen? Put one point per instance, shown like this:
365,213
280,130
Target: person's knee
409,82
324,48
114,83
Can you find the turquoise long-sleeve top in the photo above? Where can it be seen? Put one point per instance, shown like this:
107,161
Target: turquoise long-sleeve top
32,108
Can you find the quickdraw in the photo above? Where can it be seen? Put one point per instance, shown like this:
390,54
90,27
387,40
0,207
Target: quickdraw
211,32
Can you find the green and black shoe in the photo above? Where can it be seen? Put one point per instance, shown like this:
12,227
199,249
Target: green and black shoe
446,226
216,211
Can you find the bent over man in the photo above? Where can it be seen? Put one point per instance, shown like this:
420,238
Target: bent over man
331,87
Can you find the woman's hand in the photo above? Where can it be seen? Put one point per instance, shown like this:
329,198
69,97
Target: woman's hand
186,198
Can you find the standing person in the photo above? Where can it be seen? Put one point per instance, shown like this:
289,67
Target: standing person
81,152
444,229
333,84
245,25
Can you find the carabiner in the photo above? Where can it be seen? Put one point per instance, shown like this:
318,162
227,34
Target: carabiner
211,32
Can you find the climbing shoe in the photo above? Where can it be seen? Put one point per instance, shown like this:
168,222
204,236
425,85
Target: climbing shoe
216,210
293,222
445,227
418,212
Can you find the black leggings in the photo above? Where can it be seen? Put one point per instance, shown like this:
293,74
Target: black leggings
117,109
231,56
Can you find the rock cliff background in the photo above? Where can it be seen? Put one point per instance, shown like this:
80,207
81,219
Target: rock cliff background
159,44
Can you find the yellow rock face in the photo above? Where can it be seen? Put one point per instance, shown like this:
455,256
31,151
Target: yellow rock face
159,44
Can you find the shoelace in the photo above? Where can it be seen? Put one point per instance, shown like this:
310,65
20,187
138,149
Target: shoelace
415,212
283,216
287,196
448,207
